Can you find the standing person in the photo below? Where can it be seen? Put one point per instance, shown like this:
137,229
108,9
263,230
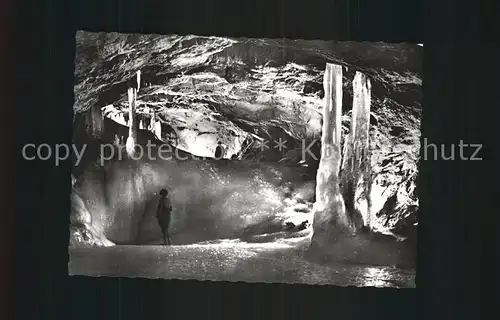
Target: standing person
219,151
163,212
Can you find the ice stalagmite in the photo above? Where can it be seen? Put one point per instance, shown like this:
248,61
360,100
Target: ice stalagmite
329,210
356,173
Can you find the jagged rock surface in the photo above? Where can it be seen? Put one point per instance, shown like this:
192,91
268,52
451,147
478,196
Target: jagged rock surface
207,89
82,232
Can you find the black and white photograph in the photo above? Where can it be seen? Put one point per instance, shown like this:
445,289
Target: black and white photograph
245,159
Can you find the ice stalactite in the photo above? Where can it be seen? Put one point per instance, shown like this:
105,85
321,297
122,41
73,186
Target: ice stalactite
155,126
132,136
138,80
356,166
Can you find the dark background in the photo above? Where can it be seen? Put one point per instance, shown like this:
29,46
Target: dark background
36,193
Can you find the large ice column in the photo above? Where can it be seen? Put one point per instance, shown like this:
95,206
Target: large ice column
356,170
329,210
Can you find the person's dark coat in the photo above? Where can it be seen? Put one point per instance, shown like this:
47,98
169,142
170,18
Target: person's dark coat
219,151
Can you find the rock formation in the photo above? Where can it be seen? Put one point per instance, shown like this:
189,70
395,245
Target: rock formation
94,122
82,231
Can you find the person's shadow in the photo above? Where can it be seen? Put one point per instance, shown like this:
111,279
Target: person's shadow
146,214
